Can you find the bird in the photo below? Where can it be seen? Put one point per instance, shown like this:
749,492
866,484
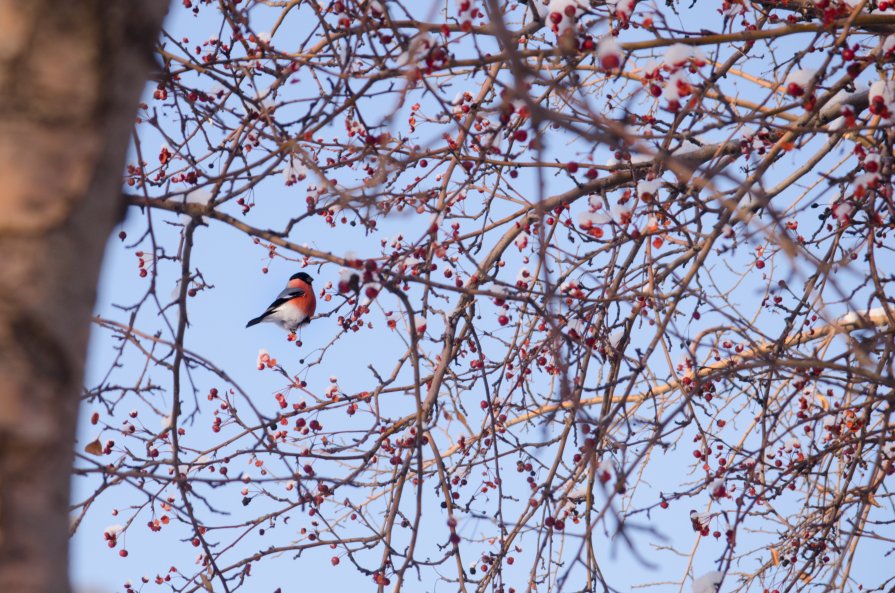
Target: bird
293,307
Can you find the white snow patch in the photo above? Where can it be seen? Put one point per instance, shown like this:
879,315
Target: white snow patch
866,180
649,188
568,10
263,358
680,53
588,220
197,196
842,100
677,86
578,493
842,210
799,78
888,44
615,338
882,92
854,318
609,52
708,583
623,8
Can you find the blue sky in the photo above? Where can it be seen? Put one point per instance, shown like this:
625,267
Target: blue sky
232,263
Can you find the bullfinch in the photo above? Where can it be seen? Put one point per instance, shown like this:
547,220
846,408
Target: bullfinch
293,307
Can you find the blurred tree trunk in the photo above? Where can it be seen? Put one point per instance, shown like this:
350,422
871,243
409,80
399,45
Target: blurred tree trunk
71,72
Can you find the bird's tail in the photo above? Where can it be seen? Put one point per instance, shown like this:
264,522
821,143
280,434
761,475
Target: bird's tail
255,321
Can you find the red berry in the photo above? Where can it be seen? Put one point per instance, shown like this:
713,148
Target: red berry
610,62
795,89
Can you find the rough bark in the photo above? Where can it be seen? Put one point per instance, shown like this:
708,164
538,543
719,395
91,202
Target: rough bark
71,72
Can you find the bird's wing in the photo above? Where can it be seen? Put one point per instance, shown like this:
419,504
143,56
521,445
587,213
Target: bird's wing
285,296
288,293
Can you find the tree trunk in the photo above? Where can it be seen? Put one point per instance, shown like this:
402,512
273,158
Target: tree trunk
71,72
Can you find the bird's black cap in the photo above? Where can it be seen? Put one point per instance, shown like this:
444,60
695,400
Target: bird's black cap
302,276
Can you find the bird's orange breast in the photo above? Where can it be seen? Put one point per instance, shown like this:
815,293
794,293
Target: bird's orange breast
308,302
